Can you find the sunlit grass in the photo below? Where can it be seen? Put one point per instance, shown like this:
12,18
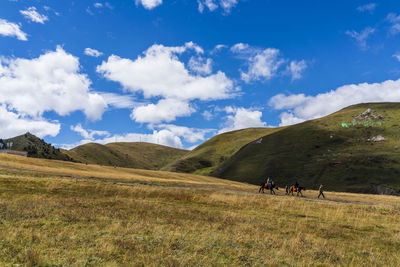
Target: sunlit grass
134,217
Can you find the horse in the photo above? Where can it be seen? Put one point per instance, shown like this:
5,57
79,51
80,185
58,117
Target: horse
292,189
271,189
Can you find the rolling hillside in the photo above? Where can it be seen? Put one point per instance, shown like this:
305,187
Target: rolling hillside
345,151
208,156
130,155
58,213
36,147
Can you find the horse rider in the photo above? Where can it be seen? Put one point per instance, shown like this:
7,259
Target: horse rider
269,183
296,185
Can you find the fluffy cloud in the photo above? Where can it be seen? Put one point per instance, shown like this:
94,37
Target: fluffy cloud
301,107
394,19
12,30
165,110
159,73
397,56
34,16
296,69
368,7
212,5
51,82
200,65
149,4
263,65
361,37
190,135
239,47
12,124
92,52
241,118
88,134
207,115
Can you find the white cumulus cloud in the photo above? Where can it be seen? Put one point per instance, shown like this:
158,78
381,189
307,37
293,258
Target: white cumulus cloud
200,65
34,16
397,56
190,135
263,65
149,4
165,110
12,30
159,73
300,107
13,124
212,5
88,134
241,118
239,47
51,82
92,52
296,69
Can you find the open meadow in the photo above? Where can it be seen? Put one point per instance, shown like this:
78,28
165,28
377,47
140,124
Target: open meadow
55,213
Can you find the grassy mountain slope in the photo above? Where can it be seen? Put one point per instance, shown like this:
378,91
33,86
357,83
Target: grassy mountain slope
208,156
130,155
36,147
326,151
57,213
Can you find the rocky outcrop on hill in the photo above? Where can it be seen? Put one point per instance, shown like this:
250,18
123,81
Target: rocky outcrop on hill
369,115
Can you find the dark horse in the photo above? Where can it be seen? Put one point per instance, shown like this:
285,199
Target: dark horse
292,189
271,189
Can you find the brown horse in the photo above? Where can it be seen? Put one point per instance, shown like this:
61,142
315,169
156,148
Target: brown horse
292,189
271,189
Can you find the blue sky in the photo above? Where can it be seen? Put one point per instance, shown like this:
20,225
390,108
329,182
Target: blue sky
179,72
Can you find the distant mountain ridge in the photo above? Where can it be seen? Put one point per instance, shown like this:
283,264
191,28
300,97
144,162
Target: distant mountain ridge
137,155
130,155
356,149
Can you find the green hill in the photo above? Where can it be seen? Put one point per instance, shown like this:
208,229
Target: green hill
36,147
340,151
130,155
208,156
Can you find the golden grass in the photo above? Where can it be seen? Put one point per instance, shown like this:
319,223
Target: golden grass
48,217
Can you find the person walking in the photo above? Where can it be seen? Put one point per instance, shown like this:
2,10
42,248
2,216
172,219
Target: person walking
321,191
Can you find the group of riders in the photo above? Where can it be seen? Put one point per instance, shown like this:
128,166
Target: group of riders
270,185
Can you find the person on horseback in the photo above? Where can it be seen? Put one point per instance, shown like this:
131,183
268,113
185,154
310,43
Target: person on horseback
269,183
296,185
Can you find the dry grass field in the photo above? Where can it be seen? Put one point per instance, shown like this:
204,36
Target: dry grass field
66,214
